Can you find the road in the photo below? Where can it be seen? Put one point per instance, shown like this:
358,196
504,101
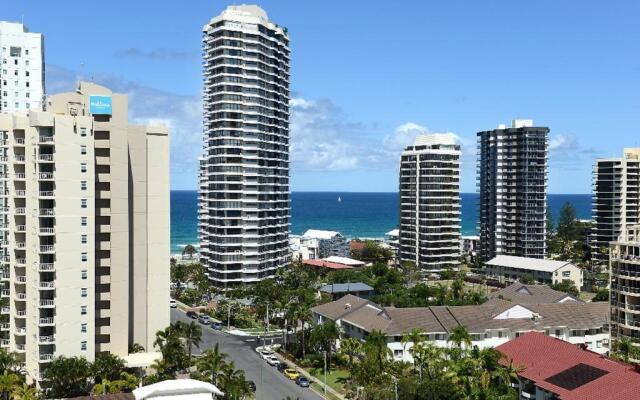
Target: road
270,383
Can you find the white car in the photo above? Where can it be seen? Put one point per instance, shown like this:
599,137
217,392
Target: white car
264,353
272,360
173,303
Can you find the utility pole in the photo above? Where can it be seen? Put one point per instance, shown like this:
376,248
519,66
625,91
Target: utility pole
267,318
229,316
325,373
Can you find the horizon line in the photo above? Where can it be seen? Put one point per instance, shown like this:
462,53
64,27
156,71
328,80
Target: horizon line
351,191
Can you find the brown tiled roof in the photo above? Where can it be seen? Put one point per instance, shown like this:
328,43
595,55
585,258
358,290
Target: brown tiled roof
369,317
530,294
336,309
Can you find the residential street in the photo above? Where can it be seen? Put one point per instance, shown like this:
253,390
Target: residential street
271,384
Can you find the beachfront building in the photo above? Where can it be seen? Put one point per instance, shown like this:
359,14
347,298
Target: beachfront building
330,243
616,200
21,68
303,248
489,325
429,233
469,245
244,172
552,369
508,269
512,179
625,286
84,227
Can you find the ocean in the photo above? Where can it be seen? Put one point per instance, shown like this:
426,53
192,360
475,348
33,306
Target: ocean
363,215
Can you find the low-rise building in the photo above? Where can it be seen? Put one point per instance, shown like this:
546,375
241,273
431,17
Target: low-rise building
330,243
489,325
335,262
303,248
531,294
469,245
508,269
338,290
554,369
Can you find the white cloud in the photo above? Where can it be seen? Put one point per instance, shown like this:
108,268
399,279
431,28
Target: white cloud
566,150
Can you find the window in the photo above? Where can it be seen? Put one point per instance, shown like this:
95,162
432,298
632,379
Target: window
83,149
499,334
83,132
83,167
15,51
27,94
83,310
83,292
83,274
558,333
83,185
83,221
83,239
598,343
566,274
83,328
27,73
83,345
83,203
397,353
83,257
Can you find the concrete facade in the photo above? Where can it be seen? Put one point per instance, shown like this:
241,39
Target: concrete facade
85,261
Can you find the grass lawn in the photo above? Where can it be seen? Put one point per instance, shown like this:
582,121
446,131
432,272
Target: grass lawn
335,378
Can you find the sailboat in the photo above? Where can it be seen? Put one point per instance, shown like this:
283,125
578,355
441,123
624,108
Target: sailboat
339,199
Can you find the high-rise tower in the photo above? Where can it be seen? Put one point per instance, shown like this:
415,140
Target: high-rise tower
244,172
512,179
430,203
21,68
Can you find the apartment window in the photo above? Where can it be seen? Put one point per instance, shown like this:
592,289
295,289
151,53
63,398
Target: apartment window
397,353
500,334
83,132
83,328
83,203
83,256
83,149
83,167
83,292
28,95
27,73
83,185
83,239
26,52
83,221
26,63
558,333
83,310
83,274
15,51
566,274
83,345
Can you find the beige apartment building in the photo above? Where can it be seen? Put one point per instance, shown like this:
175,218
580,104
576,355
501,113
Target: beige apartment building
84,229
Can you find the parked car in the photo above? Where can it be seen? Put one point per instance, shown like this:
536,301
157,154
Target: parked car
282,366
204,319
192,314
264,353
216,325
272,360
302,381
173,303
291,374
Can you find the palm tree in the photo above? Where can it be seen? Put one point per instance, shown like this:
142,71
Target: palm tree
136,348
8,361
211,363
189,251
624,347
351,347
415,336
376,346
325,335
8,383
303,315
192,334
24,392
233,382
457,288
460,336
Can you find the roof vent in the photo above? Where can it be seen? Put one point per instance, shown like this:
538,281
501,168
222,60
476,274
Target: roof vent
347,306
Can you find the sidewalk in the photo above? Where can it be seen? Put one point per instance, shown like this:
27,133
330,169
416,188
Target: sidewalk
306,374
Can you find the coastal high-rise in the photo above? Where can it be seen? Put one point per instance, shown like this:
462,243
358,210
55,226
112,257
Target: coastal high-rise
512,179
244,172
84,229
616,200
21,68
625,286
429,233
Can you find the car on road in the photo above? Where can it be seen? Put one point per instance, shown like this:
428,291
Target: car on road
192,314
252,385
204,319
173,303
264,353
291,374
282,366
302,381
272,360
216,325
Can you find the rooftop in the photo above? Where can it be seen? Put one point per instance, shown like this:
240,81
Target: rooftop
569,371
533,264
320,234
531,294
346,287
345,260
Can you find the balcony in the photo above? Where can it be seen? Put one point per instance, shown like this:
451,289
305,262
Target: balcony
19,158
47,303
47,231
5,326
48,248
5,310
46,193
5,293
21,314
45,176
19,141
46,139
46,357
21,331
21,348
20,245
45,158
21,278
20,211
21,296
46,267
21,193
19,176
47,212
21,261
48,321
50,339
4,342
46,285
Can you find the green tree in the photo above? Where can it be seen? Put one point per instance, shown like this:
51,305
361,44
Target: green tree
460,337
211,364
377,349
24,392
601,295
567,222
68,377
566,286
107,366
189,251
324,336
351,347
192,335
9,381
136,348
233,382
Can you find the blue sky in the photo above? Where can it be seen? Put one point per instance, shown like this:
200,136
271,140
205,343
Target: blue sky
367,76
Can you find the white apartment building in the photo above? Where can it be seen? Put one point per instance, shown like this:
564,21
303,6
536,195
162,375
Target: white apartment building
508,269
625,286
429,232
244,172
616,200
21,68
84,228
512,179
490,324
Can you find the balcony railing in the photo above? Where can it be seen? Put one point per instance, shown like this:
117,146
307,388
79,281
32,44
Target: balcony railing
46,267
20,211
46,193
45,139
45,175
47,285
21,193
46,357
47,339
45,157
47,303
47,212
47,230
46,321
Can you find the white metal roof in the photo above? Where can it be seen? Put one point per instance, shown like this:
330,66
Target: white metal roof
343,260
177,388
533,264
320,234
394,232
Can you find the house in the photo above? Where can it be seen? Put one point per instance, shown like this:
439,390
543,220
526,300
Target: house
555,369
330,243
507,269
304,248
335,262
489,325
531,294
338,290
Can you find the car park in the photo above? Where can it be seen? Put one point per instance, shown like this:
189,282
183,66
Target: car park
192,314
291,374
204,319
302,381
